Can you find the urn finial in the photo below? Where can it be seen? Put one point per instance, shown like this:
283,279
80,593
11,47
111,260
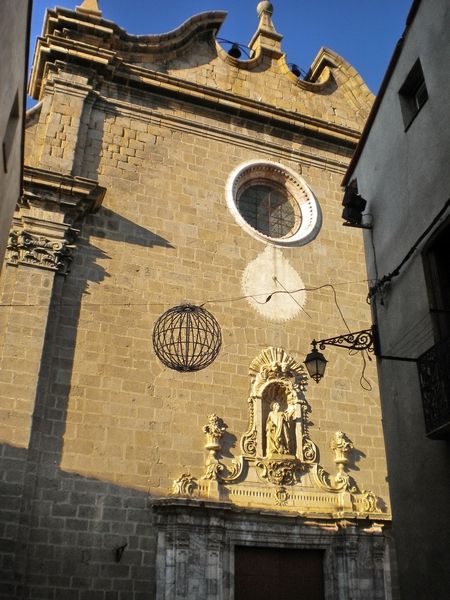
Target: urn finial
264,6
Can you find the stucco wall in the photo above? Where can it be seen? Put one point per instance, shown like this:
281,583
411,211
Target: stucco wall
13,33
404,177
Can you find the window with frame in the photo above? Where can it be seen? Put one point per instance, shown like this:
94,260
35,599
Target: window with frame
413,94
269,209
273,204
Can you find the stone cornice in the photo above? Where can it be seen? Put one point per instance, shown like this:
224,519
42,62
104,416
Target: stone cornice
178,505
74,196
110,68
78,34
43,232
230,103
301,151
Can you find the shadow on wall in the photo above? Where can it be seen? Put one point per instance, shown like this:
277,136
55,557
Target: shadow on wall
61,531
62,537
113,226
354,456
89,145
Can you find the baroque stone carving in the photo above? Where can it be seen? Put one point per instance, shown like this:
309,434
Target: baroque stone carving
214,431
185,485
277,452
281,496
216,470
278,379
278,434
341,446
40,251
44,226
248,443
279,472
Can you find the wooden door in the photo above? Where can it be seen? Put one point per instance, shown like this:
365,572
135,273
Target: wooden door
278,574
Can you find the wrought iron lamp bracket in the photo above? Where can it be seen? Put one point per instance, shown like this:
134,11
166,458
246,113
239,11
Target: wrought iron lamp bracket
357,340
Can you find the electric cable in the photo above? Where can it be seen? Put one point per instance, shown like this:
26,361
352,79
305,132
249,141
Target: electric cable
387,278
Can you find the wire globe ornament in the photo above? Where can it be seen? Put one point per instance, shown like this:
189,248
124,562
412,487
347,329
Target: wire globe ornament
187,338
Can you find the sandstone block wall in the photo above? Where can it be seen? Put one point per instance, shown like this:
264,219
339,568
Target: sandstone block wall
108,428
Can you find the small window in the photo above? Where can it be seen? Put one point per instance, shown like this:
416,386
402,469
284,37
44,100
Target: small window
413,94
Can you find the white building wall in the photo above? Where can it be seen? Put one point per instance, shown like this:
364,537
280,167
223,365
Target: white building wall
14,20
405,177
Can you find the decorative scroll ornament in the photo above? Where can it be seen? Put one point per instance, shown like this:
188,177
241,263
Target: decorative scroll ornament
249,441
278,452
26,248
185,485
356,340
279,472
369,502
309,450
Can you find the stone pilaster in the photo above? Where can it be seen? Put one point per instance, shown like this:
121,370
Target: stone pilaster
41,243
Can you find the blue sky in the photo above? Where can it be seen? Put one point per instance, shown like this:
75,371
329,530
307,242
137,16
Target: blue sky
364,32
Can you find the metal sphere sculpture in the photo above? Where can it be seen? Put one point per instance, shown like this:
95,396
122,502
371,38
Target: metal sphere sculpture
187,338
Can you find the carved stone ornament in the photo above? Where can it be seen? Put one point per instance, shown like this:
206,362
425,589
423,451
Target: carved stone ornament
47,215
185,485
278,467
37,250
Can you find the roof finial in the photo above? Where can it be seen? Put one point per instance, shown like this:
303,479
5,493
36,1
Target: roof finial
266,38
90,7
264,6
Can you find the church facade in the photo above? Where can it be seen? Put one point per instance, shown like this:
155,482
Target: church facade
165,171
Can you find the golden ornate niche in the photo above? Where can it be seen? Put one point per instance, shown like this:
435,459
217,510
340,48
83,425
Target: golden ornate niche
278,468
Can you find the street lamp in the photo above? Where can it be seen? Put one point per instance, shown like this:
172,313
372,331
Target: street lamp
316,363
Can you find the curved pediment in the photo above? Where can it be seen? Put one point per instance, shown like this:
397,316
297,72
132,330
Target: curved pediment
83,38
347,78
330,103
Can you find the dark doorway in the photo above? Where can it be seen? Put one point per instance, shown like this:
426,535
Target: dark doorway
278,574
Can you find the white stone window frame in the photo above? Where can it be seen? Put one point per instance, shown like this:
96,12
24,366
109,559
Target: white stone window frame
273,172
